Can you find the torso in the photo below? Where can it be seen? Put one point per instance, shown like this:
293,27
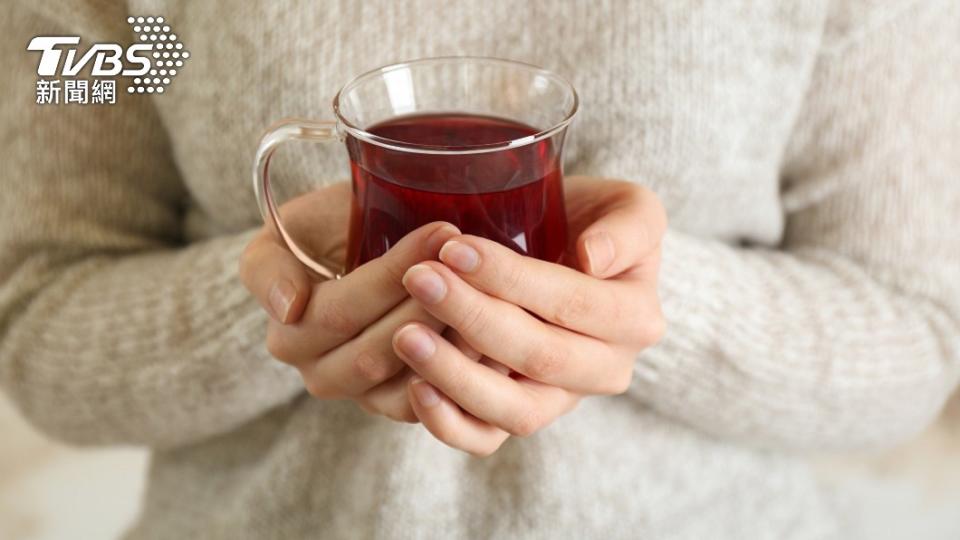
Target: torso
694,100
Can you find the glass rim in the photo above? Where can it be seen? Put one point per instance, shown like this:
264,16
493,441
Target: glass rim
402,146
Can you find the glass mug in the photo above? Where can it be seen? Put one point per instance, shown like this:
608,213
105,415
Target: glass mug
473,141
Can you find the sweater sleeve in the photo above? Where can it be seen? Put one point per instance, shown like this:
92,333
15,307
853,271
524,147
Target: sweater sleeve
848,334
112,330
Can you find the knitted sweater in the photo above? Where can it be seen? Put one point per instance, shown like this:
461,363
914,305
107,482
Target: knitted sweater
806,153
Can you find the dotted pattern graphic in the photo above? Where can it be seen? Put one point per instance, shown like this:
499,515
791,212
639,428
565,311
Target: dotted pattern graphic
168,54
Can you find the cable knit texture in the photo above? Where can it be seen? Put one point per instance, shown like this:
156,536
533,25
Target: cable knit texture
806,153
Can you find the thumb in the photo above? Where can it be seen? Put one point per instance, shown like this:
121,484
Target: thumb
624,235
276,278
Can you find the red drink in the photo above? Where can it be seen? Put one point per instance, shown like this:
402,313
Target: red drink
513,196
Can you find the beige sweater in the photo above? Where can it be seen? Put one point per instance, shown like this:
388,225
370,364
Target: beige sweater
807,153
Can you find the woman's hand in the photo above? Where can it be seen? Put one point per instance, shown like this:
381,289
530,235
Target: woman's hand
564,333
338,333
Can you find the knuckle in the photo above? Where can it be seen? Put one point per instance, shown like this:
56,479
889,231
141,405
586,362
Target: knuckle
317,387
407,416
473,321
279,346
246,263
643,322
544,362
403,413
621,382
511,275
651,329
635,196
335,317
369,369
640,193
485,450
393,270
615,307
658,213
577,306
654,214
527,423
457,381
657,330
445,432
367,407
646,237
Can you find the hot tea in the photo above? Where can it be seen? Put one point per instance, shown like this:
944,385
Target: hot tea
511,195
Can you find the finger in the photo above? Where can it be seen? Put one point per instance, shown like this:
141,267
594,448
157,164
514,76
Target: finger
622,236
614,310
449,424
512,405
510,335
275,278
367,360
457,341
496,366
341,309
390,399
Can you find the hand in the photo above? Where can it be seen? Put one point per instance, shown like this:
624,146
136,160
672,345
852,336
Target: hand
565,333
338,333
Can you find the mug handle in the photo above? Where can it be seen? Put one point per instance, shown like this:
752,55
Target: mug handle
283,131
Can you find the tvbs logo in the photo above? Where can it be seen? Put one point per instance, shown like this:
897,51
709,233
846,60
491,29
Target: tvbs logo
150,64
107,58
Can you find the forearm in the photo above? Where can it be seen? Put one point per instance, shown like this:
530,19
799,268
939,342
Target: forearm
157,348
847,333
799,349
111,331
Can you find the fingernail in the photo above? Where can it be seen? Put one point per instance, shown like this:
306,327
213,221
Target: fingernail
415,343
425,284
281,297
600,252
424,393
439,236
459,256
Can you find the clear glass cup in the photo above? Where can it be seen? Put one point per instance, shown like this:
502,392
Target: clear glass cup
473,141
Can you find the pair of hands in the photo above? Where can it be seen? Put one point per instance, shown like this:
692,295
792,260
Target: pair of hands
461,333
